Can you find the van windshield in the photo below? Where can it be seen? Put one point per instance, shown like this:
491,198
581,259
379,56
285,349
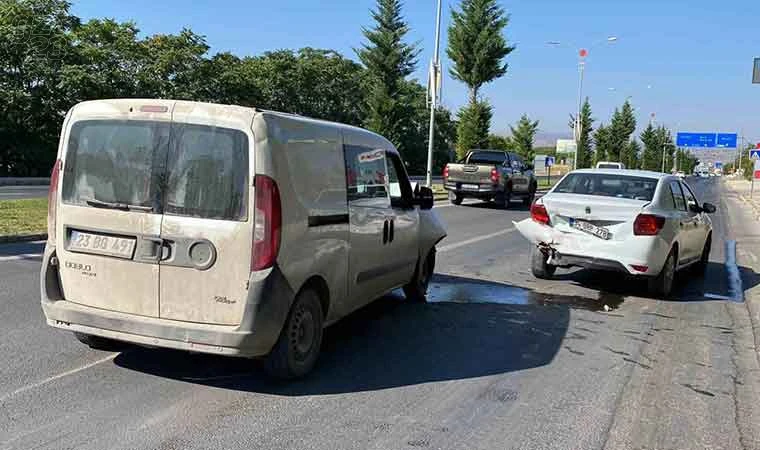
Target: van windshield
180,169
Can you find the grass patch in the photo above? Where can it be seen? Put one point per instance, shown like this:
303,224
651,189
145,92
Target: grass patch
19,217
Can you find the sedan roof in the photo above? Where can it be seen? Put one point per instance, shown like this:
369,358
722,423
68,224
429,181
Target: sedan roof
625,173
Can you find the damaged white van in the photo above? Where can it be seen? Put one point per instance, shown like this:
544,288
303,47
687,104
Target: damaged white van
226,230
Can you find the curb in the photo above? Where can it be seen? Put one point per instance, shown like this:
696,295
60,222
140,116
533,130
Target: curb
19,181
22,238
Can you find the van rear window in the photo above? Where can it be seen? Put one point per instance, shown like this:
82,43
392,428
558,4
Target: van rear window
180,169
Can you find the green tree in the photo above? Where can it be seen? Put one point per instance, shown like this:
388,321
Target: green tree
523,136
497,142
632,154
602,143
389,60
472,132
585,151
622,126
477,48
651,156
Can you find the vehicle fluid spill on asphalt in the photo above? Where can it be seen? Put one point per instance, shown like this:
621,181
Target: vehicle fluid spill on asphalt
454,289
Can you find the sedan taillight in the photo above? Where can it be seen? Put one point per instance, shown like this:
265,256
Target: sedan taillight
539,214
648,225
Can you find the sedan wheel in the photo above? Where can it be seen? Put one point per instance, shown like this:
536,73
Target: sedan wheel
662,284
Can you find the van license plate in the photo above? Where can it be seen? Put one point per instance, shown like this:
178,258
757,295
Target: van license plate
101,245
470,187
591,229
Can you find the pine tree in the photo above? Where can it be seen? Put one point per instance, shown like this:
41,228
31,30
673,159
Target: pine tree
523,136
477,49
585,152
652,154
622,126
472,132
632,159
602,140
389,60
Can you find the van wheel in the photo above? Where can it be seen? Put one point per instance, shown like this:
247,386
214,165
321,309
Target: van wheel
99,343
539,266
416,290
455,198
704,260
662,284
297,349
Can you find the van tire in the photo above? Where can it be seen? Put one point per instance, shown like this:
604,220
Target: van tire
416,290
662,285
539,266
297,349
99,343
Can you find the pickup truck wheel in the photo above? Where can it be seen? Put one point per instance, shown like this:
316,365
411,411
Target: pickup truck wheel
539,266
99,343
504,199
416,290
297,349
455,198
527,201
661,285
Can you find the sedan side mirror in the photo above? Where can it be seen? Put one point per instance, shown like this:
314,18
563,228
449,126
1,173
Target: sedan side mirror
423,196
709,208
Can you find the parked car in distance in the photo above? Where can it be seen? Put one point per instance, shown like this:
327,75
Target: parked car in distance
635,222
226,230
609,165
490,175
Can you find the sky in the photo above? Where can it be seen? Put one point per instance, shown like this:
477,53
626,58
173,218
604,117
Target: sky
687,62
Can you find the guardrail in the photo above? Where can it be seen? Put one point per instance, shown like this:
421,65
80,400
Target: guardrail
26,181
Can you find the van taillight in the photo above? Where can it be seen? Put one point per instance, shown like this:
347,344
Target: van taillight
267,224
52,197
494,175
445,172
539,214
648,225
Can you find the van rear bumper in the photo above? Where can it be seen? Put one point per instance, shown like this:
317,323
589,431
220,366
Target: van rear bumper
268,304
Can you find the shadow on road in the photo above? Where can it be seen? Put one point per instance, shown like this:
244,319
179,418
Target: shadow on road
514,206
690,284
393,343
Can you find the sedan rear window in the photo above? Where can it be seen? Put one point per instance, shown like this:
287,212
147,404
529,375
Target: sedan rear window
608,185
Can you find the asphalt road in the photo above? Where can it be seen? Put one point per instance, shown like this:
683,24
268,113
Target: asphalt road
498,360
22,192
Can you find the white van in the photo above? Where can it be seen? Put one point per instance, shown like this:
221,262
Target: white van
226,230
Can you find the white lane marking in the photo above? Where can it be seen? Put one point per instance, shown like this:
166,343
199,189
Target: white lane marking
56,377
457,245
22,257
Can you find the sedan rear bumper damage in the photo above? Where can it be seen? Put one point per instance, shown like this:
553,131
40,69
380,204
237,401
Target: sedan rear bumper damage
580,250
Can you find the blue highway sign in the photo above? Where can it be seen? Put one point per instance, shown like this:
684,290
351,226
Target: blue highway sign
696,140
727,140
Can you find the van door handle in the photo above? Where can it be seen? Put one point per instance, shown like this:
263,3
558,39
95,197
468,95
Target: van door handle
390,237
386,227
152,249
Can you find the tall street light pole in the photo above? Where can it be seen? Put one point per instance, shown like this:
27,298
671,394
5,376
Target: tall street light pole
435,74
578,125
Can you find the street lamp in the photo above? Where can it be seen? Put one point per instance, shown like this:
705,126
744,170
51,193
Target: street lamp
582,54
435,74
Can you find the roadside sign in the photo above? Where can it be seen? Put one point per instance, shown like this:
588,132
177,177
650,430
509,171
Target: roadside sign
548,161
754,154
726,140
696,140
756,72
756,175
566,147
718,164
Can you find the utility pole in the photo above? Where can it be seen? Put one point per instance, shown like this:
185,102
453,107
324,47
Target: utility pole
578,122
435,74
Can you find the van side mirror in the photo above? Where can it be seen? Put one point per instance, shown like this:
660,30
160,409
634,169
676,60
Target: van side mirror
709,208
423,197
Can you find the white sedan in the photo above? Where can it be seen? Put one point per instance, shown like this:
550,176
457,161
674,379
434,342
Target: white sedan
636,222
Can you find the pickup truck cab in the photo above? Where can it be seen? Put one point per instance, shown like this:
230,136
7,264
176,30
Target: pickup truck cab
491,175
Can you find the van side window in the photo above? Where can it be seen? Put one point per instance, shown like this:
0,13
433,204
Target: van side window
366,177
398,182
208,173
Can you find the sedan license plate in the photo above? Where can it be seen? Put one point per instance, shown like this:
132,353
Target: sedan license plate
470,187
591,229
101,245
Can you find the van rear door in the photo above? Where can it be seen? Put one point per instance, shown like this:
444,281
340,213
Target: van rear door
108,216
208,215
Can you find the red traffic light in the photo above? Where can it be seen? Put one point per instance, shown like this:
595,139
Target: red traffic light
583,53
